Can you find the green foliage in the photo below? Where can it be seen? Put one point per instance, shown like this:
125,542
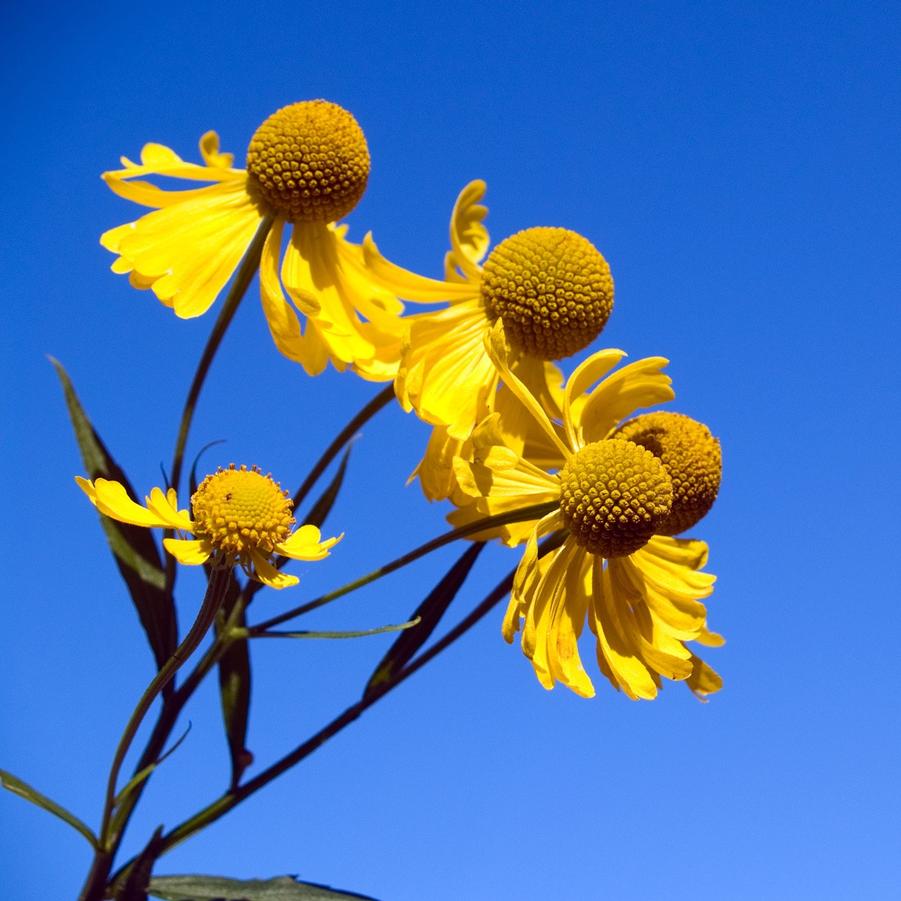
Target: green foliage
24,790
134,548
218,888
429,614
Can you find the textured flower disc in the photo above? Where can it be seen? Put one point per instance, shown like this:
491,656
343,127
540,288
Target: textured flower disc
552,289
239,510
692,457
614,495
310,161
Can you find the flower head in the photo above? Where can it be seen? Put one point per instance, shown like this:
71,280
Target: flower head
617,569
241,518
307,167
550,287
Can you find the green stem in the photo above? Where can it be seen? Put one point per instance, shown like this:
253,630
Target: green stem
246,272
382,399
360,418
521,514
235,796
211,602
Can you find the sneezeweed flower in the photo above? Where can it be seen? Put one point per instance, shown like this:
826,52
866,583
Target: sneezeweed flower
240,518
307,167
550,287
639,589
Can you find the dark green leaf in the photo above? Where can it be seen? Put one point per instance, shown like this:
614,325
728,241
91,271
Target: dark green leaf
135,551
218,888
429,612
234,686
323,506
24,790
138,874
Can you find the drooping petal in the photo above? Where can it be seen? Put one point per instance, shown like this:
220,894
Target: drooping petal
269,575
284,325
188,251
410,286
305,544
704,680
358,321
496,345
468,235
445,373
111,499
191,552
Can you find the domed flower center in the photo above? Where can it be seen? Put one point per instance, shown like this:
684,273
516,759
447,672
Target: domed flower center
240,510
309,161
552,289
692,457
614,495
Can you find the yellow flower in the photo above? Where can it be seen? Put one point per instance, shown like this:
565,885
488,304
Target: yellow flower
241,518
307,165
640,591
549,286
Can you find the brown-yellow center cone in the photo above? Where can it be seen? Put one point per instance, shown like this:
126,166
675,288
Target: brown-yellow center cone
309,162
239,510
613,496
552,289
692,457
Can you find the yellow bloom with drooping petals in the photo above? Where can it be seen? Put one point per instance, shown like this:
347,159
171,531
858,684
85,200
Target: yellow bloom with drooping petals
241,518
307,167
640,591
549,286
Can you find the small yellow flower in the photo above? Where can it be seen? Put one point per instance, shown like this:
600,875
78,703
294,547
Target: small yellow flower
550,287
639,589
307,166
241,518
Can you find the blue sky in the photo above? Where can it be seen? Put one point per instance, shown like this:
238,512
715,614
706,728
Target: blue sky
737,164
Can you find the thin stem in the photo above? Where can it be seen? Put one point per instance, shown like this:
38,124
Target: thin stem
382,399
211,602
360,418
522,514
246,272
234,797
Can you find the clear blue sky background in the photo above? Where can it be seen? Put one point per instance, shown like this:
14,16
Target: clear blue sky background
738,166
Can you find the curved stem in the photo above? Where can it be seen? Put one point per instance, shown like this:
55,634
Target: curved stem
235,796
360,418
382,399
211,602
246,272
521,514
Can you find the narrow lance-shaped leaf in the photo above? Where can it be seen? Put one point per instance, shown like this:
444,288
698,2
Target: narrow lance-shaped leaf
134,888
429,613
218,888
234,686
135,551
24,790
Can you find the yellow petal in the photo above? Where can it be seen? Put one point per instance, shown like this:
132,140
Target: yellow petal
266,573
496,345
188,251
191,552
584,376
284,325
305,544
640,384
409,285
111,499
468,235
704,680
